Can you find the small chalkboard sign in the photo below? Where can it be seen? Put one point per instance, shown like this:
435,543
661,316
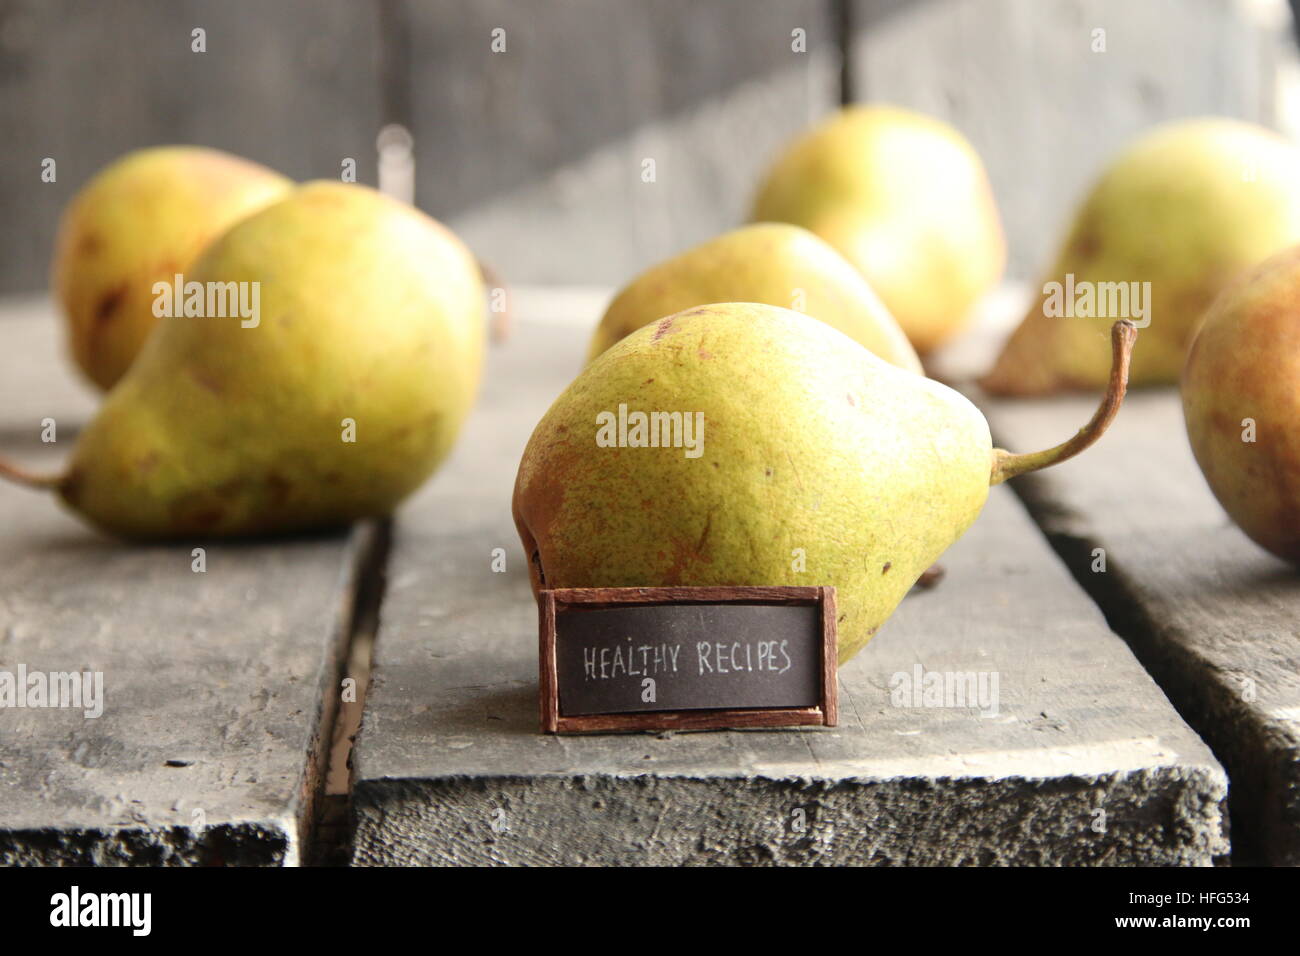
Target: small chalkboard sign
687,658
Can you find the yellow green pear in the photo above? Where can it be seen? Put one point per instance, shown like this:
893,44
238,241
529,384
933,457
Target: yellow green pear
905,198
768,263
338,352
747,444
1172,220
1241,402
144,219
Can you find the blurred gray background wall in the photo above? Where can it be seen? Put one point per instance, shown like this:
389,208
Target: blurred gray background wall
536,153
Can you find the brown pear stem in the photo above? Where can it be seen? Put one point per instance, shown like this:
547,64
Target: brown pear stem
1007,465
22,476
931,577
501,321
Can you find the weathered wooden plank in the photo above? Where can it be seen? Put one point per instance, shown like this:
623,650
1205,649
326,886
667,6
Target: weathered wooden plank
216,685
536,154
1213,617
294,84
1046,99
527,150
450,766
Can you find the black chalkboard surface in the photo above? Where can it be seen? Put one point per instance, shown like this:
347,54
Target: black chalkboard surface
688,657
694,658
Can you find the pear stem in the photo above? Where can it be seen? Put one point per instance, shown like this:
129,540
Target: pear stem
1008,465
503,320
22,476
931,577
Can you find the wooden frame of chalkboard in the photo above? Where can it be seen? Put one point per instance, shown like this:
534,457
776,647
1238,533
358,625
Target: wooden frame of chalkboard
552,604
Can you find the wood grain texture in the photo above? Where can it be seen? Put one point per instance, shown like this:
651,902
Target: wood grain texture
548,684
669,721
217,686
535,154
450,766
694,595
293,84
1215,618
830,659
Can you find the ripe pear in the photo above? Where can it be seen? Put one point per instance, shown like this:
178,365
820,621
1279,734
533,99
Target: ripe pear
142,220
808,461
1186,208
336,403
1241,402
905,198
770,263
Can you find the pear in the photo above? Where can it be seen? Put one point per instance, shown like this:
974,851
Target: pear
784,453
904,198
1186,208
769,263
1241,402
334,401
144,219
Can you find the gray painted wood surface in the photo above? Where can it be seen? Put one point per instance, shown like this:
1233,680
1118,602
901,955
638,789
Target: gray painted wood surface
1215,618
215,684
535,154
293,84
450,766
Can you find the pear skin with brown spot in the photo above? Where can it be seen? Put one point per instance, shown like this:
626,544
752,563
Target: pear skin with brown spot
336,401
140,221
818,464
